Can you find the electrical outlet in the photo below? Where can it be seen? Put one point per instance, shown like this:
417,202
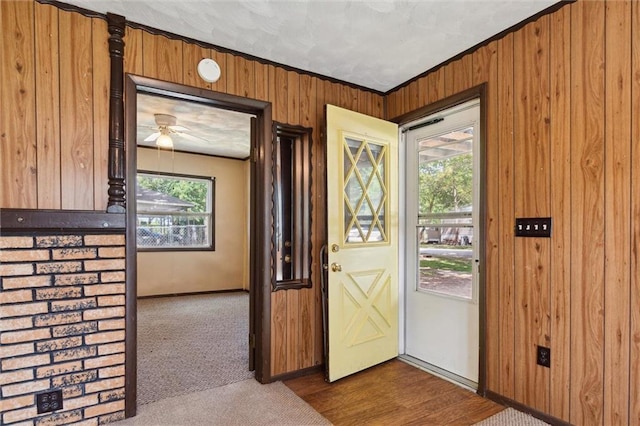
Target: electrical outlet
543,357
49,401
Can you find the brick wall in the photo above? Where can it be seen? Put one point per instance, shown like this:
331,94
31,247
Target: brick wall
62,326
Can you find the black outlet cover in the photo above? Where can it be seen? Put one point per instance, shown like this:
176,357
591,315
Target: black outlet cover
543,357
533,227
49,401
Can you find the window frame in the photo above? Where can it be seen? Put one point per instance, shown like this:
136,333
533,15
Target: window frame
210,180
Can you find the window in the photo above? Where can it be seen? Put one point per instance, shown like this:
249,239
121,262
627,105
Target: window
174,212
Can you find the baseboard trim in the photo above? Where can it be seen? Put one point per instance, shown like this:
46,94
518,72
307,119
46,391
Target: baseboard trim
297,373
525,409
195,293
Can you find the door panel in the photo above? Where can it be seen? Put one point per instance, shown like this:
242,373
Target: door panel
443,243
362,204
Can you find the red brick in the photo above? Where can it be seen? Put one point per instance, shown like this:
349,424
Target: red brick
23,255
17,376
16,242
59,241
18,296
26,282
117,312
16,269
58,267
73,391
74,305
58,293
111,252
112,395
105,373
103,265
75,279
74,379
25,388
104,361
104,240
62,418
74,253
58,344
116,324
17,415
110,277
85,401
25,362
74,353
102,289
99,410
8,351
58,369
15,403
102,385
57,319
111,301
23,309
113,348
75,329
100,338
111,418
30,335
16,324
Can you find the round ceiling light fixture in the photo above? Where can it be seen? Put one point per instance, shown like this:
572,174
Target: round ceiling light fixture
209,70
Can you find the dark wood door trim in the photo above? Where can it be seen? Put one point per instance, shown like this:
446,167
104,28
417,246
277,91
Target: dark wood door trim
261,183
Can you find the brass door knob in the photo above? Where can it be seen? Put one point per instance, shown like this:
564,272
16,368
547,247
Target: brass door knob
336,267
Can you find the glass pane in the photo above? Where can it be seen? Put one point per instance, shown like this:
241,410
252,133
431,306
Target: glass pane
445,269
445,228
445,173
365,191
173,211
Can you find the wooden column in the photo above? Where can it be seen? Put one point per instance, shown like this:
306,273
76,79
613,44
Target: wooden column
117,193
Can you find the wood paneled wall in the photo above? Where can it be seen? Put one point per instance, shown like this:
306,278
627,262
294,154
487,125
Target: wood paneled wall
54,85
563,103
54,82
298,99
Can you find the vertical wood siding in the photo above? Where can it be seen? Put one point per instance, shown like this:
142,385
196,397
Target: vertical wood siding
54,126
563,97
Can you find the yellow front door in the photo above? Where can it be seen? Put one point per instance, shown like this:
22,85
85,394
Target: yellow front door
362,226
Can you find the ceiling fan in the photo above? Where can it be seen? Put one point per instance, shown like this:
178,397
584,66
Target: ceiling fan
167,127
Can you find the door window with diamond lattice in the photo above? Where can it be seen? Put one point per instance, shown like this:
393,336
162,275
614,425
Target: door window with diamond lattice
365,191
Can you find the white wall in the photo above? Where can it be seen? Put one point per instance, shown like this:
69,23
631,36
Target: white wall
226,268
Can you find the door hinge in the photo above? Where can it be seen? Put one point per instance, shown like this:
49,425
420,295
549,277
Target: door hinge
252,340
254,155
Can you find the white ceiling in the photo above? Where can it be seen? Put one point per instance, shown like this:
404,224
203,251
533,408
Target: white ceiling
377,44
209,130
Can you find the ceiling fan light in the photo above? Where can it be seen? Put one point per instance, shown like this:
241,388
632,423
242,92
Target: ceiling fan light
164,141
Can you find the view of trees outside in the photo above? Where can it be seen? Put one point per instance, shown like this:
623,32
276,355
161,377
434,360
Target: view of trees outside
187,190
446,185
178,215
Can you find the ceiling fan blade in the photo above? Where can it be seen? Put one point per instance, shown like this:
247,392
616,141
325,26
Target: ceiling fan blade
178,129
191,137
152,137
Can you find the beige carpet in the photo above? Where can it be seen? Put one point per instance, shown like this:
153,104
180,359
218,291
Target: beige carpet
242,403
511,417
191,343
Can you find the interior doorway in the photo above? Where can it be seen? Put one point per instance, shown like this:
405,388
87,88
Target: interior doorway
194,231
192,234
443,242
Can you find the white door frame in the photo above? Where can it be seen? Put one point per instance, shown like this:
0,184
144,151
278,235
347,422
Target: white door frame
477,92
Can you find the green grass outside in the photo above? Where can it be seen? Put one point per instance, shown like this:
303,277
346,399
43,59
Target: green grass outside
447,264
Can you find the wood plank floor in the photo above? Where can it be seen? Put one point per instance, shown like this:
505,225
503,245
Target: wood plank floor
393,393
